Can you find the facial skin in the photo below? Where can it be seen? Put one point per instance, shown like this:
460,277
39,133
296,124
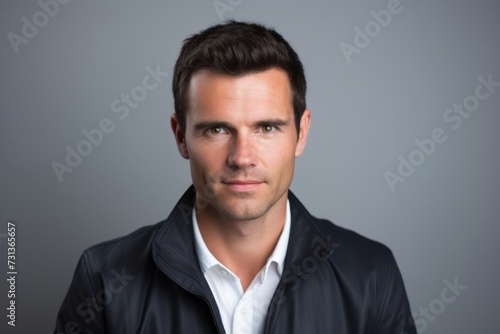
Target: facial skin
242,143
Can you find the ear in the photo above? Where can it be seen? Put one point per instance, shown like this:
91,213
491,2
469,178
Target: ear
305,123
179,136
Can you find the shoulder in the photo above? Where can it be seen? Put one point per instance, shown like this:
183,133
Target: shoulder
350,249
345,242
351,239
356,252
132,250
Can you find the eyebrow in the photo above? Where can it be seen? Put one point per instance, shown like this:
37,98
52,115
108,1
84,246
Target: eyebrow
214,124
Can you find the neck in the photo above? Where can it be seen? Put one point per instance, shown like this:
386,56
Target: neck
243,246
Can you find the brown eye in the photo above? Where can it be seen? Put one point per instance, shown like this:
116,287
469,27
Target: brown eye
215,131
268,128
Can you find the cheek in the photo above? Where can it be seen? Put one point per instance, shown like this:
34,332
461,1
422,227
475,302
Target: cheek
281,160
204,160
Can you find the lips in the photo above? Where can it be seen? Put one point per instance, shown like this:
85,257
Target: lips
243,185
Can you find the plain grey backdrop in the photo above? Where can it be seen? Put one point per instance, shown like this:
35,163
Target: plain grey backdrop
379,88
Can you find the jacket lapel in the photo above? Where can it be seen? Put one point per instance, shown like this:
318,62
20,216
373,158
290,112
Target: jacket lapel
175,255
309,245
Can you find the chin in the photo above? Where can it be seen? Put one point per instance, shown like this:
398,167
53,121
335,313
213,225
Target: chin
242,209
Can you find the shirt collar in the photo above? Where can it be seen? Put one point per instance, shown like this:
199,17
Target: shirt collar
207,260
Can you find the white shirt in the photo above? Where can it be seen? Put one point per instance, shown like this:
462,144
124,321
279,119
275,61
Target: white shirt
243,312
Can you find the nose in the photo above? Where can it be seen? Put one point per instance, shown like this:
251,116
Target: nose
243,152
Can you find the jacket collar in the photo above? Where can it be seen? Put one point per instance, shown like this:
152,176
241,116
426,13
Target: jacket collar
175,254
309,243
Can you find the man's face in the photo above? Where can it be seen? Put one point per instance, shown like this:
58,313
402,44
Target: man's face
241,141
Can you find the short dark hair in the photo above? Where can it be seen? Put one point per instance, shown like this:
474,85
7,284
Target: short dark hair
237,48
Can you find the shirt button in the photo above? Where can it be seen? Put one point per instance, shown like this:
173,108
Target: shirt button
243,311
224,273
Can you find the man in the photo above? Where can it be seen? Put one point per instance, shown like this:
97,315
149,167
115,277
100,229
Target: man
239,253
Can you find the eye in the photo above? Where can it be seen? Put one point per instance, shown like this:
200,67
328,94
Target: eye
268,128
215,130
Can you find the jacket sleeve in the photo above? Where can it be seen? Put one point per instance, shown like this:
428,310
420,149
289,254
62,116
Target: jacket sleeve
394,314
80,311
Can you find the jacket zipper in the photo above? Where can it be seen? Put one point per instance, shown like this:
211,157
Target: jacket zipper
214,316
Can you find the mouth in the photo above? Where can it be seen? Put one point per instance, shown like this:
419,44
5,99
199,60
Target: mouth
243,185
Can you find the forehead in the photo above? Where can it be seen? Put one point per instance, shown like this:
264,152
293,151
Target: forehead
215,93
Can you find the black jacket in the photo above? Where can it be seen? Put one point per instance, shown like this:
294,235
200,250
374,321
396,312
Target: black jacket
334,281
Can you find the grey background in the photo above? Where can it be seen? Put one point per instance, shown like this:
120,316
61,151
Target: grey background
441,223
